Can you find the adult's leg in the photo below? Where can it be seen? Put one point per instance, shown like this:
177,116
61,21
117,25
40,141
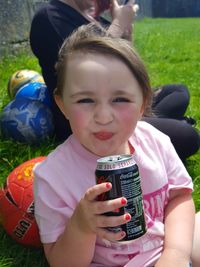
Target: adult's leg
196,243
171,101
184,137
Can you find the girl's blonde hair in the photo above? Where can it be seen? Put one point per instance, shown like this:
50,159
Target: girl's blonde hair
94,39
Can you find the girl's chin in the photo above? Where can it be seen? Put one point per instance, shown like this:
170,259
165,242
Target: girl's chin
101,153
106,153
103,150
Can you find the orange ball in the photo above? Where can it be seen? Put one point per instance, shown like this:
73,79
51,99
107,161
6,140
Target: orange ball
17,205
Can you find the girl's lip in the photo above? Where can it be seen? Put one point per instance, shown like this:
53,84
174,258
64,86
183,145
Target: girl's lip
103,135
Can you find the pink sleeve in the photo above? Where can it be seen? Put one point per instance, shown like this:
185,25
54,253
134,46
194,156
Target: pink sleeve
50,211
178,176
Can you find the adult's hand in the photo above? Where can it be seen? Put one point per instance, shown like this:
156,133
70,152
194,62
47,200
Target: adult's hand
122,19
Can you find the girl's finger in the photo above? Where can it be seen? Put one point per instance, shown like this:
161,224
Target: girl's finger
114,205
103,221
110,236
93,192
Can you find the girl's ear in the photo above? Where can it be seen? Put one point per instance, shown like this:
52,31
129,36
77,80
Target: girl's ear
143,108
60,104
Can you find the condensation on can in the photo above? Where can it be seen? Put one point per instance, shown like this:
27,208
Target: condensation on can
122,171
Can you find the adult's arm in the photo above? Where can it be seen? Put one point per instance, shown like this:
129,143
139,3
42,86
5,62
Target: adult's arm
45,44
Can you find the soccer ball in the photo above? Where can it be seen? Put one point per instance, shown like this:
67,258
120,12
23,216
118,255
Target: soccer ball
35,91
20,78
27,121
17,204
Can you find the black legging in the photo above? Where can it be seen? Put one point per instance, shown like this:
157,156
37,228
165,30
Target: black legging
171,101
183,136
169,106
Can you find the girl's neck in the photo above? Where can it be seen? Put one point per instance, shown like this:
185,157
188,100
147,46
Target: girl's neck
85,13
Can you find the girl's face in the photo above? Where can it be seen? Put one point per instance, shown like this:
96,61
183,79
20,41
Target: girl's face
103,102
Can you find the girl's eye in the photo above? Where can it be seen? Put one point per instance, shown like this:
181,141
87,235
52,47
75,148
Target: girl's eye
121,99
85,100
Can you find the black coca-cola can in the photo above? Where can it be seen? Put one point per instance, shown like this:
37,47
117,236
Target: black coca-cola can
122,172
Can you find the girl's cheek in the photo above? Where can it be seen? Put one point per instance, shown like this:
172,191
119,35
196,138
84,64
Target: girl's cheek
78,117
128,115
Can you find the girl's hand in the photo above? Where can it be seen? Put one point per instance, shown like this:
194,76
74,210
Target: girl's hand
88,215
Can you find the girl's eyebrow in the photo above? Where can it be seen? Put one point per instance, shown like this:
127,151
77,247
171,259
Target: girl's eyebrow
91,93
85,93
123,92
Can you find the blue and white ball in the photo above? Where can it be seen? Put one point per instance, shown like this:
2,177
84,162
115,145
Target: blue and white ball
35,91
20,78
27,121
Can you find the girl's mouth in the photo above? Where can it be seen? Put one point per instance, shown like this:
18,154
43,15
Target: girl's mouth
103,135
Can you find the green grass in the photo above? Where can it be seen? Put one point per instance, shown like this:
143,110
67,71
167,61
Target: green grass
170,49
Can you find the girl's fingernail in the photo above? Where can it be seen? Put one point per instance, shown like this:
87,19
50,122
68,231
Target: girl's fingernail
123,201
127,217
108,185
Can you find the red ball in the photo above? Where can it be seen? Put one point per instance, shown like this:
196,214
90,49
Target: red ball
17,205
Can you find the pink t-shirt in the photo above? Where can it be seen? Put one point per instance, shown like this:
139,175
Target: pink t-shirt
63,178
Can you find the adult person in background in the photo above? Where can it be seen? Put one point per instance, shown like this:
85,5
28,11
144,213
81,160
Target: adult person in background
57,19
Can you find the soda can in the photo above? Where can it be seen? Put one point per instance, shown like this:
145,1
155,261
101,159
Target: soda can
122,172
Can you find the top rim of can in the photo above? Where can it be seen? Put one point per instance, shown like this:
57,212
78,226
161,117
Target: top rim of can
115,158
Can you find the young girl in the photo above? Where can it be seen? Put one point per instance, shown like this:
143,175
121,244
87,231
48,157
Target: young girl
103,90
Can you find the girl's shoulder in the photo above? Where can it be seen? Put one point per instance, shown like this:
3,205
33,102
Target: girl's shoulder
65,157
147,138
144,129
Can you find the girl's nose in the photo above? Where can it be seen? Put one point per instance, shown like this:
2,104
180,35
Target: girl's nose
103,114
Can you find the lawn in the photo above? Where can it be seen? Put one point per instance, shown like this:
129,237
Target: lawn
170,49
